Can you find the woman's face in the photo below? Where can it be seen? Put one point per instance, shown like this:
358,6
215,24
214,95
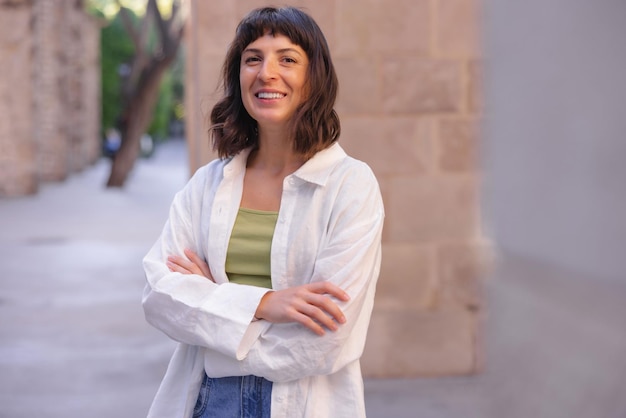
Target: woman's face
273,79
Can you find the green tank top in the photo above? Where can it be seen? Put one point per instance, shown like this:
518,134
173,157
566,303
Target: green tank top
248,255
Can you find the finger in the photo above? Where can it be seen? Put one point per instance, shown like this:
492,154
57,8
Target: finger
327,306
180,261
330,289
309,323
173,267
200,263
320,317
184,264
193,256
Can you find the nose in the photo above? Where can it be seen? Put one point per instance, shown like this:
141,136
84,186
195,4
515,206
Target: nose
268,70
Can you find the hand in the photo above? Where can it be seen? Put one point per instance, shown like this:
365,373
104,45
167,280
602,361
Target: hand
193,264
307,304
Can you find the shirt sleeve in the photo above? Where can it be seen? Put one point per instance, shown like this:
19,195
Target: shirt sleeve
190,308
351,260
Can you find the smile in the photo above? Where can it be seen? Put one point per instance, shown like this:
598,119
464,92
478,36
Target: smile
268,95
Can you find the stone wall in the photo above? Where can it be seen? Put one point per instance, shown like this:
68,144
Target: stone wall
17,164
50,96
409,104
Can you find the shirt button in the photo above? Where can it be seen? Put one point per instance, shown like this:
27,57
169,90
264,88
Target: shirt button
280,399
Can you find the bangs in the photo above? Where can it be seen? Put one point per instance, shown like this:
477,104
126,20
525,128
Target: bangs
272,21
315,124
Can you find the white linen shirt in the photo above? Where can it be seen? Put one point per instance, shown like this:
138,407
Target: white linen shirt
329,228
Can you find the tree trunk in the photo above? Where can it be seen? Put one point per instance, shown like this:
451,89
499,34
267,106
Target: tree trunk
135,120
125,158
141,89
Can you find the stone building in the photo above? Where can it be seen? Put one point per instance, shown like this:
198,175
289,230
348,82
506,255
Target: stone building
409,103
49,93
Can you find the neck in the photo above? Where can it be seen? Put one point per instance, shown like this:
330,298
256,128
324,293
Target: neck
275,154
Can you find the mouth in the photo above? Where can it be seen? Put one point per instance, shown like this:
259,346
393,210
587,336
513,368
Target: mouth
269,95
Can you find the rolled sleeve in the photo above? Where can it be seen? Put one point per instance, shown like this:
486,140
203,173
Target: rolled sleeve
190,308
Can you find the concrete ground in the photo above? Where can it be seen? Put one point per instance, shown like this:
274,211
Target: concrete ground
73,341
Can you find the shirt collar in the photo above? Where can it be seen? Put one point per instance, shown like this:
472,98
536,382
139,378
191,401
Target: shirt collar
316,170
236,164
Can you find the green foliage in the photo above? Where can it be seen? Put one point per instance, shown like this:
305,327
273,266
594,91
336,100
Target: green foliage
97,7
117,50
178,85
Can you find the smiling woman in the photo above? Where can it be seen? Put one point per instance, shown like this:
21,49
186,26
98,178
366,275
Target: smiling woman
315,124
266,269
273,81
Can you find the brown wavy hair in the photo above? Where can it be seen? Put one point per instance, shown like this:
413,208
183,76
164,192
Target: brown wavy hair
315,124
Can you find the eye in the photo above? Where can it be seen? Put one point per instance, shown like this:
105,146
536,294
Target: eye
289,60
251,59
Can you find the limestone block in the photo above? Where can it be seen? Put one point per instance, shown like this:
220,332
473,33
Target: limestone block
214,25
322,11
207,43
360,90
383,25
14,26
15,84
458,28
209,77
462,268
202,87
413,85
73,70
401,25
353,28
17,157
475,87
408,278
203,66
17,172
401,145
458,144
244,6
50,84
91,89
411,343
432,208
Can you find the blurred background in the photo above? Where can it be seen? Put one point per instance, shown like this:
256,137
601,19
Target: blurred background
496,130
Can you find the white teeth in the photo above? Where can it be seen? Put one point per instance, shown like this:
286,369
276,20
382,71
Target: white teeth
267,95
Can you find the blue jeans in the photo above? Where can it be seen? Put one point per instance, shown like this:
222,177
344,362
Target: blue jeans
234,397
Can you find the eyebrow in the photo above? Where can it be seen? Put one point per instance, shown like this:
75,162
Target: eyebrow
280,51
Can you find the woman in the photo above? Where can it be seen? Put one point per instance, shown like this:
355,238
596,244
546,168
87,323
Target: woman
266,269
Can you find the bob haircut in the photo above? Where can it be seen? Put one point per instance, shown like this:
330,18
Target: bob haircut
315,124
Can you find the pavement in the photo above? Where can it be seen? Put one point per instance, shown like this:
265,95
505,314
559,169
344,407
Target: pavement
74,342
